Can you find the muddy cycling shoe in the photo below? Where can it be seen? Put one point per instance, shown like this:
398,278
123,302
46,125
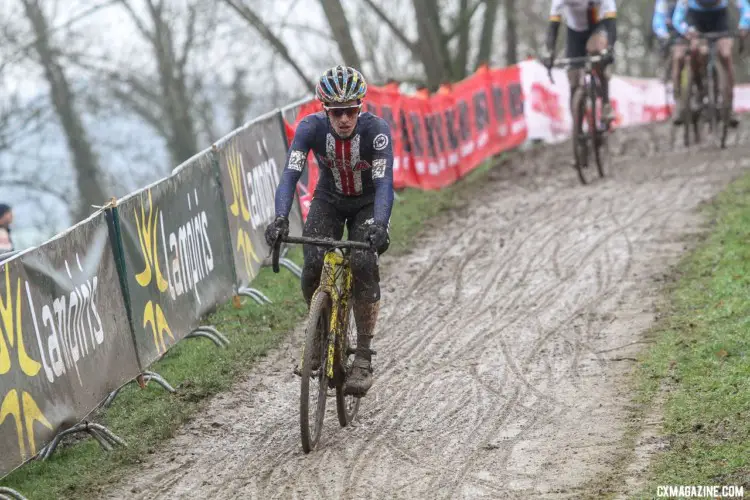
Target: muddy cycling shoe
359,380
608,114
733,120
677,115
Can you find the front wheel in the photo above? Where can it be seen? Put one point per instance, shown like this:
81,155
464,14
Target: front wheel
580,140
599,129
346,406
316,341
725,106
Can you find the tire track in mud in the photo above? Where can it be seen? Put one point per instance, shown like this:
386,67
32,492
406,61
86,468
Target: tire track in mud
493,376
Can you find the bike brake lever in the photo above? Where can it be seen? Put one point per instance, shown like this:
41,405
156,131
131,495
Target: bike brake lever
276,253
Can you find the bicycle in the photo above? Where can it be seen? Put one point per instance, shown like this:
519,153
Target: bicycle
584,104
667,57
713,107
688,119
329,326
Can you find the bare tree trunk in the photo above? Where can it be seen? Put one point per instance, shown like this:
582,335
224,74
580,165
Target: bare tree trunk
85,163
430,45
434,15
488,31
511,35
341,32
240,99
264,31
462,53
167,105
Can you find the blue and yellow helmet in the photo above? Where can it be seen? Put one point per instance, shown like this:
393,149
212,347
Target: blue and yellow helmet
341,84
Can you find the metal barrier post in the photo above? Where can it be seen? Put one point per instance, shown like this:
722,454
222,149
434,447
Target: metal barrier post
210,333
10,494
103,436
147,376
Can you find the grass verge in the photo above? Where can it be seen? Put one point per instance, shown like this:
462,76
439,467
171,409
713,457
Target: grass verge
702,354
198,369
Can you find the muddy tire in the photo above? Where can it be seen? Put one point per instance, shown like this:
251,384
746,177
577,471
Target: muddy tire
318,321
580,142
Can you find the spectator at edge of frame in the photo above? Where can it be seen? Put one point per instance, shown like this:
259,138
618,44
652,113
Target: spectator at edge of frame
6,219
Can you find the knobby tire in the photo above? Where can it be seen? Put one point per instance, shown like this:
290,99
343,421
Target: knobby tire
725,112
713,106
580,147
319,315
598,134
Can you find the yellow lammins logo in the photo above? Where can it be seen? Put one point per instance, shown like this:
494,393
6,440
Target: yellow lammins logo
239,209
17,403
153,315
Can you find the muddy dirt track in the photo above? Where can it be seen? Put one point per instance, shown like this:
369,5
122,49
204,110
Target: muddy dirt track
504,346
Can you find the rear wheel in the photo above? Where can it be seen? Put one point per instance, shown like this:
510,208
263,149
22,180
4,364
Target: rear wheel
316,337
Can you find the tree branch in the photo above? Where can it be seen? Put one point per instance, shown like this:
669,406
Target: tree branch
35,185
144,111
463,18
137,20
302,28
395,29
182,59
272,39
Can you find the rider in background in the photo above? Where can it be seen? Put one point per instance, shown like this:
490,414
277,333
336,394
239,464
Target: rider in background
355,188
692,17
592,28
670,40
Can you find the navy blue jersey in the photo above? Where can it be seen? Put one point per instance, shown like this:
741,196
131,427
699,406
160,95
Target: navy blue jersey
358,168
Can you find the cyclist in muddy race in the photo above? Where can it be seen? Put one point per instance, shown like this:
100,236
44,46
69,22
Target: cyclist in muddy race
591,29
672,44
355,154
692,17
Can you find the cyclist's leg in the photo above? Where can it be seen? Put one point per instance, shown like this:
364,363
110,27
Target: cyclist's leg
702,22
724,47
679,52
366,302
724,53
575,47
597,43
323,221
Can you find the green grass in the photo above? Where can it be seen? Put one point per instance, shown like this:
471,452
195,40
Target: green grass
702,357
198,369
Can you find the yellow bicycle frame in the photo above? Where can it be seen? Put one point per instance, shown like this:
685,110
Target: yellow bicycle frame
336,280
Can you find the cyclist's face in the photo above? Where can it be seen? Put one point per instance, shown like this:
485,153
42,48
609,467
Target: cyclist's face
344,117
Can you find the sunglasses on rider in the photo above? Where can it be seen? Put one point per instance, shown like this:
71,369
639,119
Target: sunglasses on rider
350,111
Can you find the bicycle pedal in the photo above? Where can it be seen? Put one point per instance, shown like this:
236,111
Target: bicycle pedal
298,372
352,350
